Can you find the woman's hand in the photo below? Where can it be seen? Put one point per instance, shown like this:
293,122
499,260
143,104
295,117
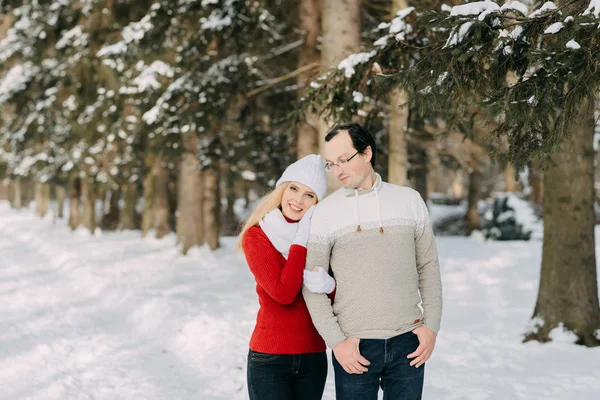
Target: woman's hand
318,280
304,228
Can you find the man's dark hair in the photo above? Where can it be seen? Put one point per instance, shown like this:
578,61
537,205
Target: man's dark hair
361,138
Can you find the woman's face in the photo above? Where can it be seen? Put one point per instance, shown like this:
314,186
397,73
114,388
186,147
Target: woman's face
296,199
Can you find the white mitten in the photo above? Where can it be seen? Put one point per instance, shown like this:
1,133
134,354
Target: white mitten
318,280
301,237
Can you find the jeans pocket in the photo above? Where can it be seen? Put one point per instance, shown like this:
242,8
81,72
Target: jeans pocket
263,357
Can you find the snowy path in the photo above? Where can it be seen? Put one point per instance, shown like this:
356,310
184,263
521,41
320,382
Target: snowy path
114,316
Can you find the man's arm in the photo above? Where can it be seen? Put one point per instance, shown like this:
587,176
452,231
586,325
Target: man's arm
428,268
319,305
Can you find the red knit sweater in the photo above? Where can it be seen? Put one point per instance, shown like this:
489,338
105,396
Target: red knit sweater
283,324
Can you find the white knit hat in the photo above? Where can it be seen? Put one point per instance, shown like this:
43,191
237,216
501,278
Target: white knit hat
309,171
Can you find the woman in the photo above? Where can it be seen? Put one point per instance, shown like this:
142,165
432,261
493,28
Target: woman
287,359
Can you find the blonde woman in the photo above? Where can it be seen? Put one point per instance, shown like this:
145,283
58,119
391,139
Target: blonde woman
287,359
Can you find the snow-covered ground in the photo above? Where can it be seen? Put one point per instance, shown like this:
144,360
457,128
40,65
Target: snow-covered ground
114,316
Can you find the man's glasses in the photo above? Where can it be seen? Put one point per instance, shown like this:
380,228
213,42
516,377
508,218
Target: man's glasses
329,166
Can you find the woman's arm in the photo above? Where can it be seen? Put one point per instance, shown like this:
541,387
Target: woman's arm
281,282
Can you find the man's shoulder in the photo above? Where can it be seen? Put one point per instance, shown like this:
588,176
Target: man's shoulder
397,190
331,200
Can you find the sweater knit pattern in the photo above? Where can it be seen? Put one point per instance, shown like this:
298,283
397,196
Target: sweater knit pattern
283,324
386,284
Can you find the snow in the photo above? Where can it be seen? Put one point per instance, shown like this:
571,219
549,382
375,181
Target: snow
148,78
358,97
216,22
74,38
515,6
572,44
353,60
121,317
554,28
547,6
475,8
525,216
593,8
397,28
16,80
458,35
134,32
441,78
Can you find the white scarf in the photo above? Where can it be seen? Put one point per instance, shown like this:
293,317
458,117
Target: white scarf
280,232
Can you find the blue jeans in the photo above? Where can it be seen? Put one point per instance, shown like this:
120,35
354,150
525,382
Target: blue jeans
389,369
286,376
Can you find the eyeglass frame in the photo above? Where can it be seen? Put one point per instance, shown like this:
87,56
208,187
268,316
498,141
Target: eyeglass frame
329,166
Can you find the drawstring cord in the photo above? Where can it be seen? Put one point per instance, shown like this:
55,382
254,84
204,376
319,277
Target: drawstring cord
379,210
358,211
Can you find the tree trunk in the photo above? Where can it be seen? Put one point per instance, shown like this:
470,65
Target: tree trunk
110,220
340,38
190,228
420,173
230,220
42,198
148,195
212,208
510,184
37,196
128,218
27,190
160,199
310,23
568,291
88,197
398,152
75,199
4,189
536,177
17,193
475,178
60,194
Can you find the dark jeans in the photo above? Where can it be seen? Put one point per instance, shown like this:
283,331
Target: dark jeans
286,376
389,369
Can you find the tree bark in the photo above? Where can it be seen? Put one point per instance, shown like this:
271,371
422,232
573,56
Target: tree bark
230,220
27,191
42,198
128,218
510,184
536,176
88,196
37,196
475,178
60,193
110,220
212,208
75,199
17,193
420,173
160,199
148,195
190,228
398,148
568,291
310,23
340,38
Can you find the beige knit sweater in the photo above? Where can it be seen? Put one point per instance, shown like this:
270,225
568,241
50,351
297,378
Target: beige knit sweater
386,283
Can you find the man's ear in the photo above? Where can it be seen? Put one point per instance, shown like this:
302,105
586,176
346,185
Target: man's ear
368,154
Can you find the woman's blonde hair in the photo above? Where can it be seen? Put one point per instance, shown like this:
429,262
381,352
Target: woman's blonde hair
269,202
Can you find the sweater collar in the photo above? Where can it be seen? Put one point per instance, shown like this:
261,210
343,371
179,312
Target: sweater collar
376,186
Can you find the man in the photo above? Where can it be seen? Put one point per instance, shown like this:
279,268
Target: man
377,241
